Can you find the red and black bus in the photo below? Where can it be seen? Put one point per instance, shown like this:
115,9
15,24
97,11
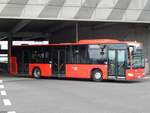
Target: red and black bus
102,59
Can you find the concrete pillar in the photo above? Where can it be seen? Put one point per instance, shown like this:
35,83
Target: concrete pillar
77,32
9,49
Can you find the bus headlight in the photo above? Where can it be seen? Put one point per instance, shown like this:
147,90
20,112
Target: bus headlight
130,74
139,77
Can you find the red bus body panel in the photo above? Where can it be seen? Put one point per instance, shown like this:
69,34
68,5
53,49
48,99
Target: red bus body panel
13,66
137,73
84,70
46,70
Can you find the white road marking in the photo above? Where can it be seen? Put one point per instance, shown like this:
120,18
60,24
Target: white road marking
6,102
1,81
11,112
3,93
1,86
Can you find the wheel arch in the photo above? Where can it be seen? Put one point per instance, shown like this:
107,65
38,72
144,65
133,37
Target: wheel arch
35,68
94,70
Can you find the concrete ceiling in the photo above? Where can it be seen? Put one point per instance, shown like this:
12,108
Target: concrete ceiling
25,29
89,10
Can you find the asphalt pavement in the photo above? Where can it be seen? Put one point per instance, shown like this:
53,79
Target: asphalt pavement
29,95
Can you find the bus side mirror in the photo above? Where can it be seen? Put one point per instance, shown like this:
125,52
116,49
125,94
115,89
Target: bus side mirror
102,53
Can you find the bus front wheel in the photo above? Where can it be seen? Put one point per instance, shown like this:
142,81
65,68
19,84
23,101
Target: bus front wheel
97,75
36,72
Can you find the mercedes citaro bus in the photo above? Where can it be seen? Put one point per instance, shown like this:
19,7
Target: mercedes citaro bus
102,59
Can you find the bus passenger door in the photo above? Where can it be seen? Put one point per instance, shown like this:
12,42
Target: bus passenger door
58,63
116,64
121,63
112,64
23,62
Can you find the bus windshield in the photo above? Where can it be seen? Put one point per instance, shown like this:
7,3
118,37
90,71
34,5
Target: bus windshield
138,61
137,57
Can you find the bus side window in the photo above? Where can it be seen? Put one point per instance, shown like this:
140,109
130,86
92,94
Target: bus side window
38,55
47,54
69,55
75,56
97,54
83,54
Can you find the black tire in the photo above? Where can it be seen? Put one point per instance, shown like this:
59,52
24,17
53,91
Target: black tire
36,73
97,76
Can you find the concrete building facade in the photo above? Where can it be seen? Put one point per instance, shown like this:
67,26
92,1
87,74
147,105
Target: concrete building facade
93,10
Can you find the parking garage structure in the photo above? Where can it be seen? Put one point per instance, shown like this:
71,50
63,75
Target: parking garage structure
59,21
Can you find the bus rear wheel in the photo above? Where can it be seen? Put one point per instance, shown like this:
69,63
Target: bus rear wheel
97,75
36,73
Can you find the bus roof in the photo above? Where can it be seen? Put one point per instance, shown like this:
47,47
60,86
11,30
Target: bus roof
99,41
82,42
133,43
90,41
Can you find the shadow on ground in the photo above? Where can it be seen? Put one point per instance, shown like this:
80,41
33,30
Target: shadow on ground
25,78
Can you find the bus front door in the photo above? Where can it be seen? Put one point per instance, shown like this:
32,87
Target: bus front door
116,64
58,65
